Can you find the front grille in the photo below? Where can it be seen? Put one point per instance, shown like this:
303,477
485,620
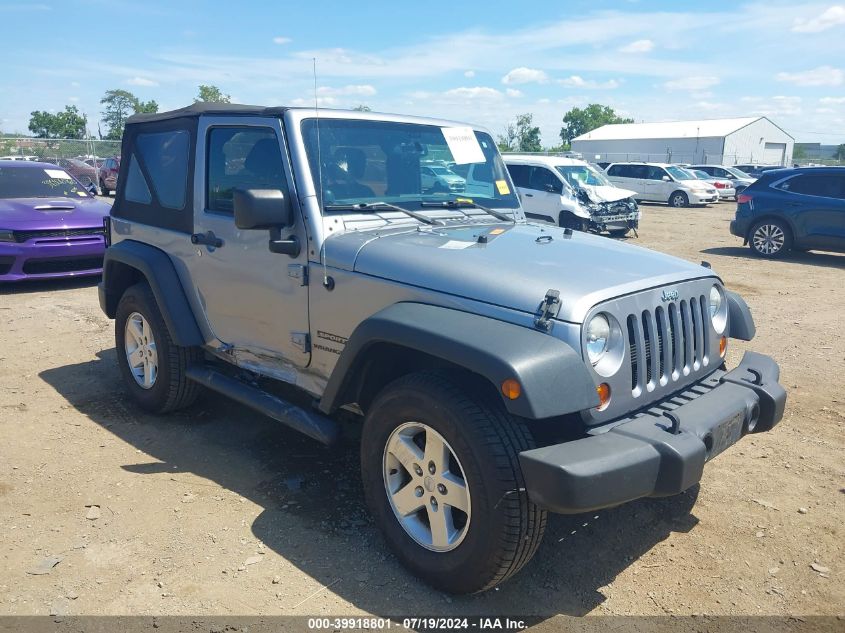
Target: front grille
25,236
61,265
6,264
667,343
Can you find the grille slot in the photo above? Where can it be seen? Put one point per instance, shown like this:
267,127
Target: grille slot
25,236
667,343
61,265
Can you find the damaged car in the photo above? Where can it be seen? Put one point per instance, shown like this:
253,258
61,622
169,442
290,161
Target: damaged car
572,194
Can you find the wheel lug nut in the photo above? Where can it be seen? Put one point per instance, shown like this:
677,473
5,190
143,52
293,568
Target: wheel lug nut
433,502
418,470
441,489
418,491
431,468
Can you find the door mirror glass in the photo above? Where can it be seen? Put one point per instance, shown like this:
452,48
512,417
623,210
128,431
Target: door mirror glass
262,208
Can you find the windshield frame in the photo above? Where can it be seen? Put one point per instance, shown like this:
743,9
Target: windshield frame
301,121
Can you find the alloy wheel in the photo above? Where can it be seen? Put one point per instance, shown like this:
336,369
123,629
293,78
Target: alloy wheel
140,347
768,239
426,487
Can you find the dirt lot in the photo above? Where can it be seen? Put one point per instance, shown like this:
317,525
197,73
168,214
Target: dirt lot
219,511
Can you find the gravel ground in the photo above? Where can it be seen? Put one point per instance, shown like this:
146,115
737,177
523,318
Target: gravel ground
219,511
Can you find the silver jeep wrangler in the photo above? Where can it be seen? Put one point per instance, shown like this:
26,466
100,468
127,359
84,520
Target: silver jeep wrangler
292,260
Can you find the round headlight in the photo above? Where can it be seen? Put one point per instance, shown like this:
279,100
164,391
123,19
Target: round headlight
598,336
718,309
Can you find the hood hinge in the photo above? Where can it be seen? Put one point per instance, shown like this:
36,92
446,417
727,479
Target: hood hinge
298,271
302,341
548,310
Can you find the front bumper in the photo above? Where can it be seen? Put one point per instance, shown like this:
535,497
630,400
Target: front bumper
658,452
51,259
703,198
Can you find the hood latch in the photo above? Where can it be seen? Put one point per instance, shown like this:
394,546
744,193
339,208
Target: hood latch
548,310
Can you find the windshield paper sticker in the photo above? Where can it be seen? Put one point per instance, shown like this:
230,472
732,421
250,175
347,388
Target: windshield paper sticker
57,173
456,244
502,186
463,145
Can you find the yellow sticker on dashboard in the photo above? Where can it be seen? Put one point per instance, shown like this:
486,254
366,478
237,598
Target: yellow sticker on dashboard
502,186
467,200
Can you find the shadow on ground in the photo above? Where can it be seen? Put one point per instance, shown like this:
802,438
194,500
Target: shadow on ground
48,285
809,258
314,513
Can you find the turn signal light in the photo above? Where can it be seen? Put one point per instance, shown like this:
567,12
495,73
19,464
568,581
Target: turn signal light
511,389
604,396
723,345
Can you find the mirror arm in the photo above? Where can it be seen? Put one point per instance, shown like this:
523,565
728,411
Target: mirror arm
290,246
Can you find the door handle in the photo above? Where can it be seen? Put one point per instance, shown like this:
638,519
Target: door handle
208,239
528,195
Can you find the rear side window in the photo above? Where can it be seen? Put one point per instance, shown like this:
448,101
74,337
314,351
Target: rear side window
241,158
519,174
136,187
165,155
823,185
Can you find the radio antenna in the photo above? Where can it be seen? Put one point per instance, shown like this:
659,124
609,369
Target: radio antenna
320,177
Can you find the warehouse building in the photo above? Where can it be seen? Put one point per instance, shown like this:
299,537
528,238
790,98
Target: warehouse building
715,141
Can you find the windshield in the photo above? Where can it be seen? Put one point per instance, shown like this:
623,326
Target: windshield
577,175
736,172
382,161
35,182
678,173
701,175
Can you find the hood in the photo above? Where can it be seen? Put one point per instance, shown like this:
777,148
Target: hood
697,184
604,193
51,213
514,268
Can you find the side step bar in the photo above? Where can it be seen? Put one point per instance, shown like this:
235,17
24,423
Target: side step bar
311,423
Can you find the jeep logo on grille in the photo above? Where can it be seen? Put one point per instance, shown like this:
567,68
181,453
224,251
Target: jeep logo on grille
669,295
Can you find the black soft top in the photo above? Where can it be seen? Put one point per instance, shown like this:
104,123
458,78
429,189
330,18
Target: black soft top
199,109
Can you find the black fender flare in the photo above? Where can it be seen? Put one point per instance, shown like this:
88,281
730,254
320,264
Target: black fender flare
740,322
552,375
158,271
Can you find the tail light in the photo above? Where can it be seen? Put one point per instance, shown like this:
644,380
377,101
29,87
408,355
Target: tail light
743,198
720,185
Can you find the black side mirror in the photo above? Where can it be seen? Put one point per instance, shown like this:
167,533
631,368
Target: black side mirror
261,208
266,209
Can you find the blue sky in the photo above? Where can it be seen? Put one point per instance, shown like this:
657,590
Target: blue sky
479,61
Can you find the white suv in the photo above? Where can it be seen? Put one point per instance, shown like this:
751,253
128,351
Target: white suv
661,182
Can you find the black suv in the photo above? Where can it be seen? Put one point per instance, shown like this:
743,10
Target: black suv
802,208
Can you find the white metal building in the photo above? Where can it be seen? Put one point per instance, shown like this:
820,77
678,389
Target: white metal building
714,141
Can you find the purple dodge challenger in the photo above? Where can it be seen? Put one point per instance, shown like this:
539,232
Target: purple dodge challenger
50,225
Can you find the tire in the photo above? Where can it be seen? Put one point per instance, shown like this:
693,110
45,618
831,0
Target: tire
502,529
678,199
103,188
164,387
770,238
566,220
618,232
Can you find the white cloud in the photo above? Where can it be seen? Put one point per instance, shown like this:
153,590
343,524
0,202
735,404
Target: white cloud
524,75
825,110
476,92
470,74
830,17
638,46
832,100
323,102
821,76
282,40
73,99
709,106
780,105
513,93
691,83
141,81
75,84
576,81
358,90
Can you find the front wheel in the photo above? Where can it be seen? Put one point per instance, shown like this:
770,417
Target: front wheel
103,188
679,199
619,232
441,473
568,220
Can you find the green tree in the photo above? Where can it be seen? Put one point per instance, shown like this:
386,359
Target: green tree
119,104
362,108
65,124
147,107
521,136
799,153
212,94
840,151
579,121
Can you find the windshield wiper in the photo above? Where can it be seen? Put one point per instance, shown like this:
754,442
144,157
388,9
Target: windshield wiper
454,204
364,206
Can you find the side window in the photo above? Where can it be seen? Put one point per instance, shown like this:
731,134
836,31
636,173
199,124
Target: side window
165,155
617,170
136,187
241,158
655,173
519,174
542,179
823,185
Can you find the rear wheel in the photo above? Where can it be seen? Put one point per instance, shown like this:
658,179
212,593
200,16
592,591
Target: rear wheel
152,365
103,188
770,238
678,199
442,478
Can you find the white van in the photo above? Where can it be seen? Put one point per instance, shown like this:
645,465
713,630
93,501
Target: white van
661,182
571,193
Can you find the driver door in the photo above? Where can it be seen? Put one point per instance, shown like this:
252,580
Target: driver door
253,300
